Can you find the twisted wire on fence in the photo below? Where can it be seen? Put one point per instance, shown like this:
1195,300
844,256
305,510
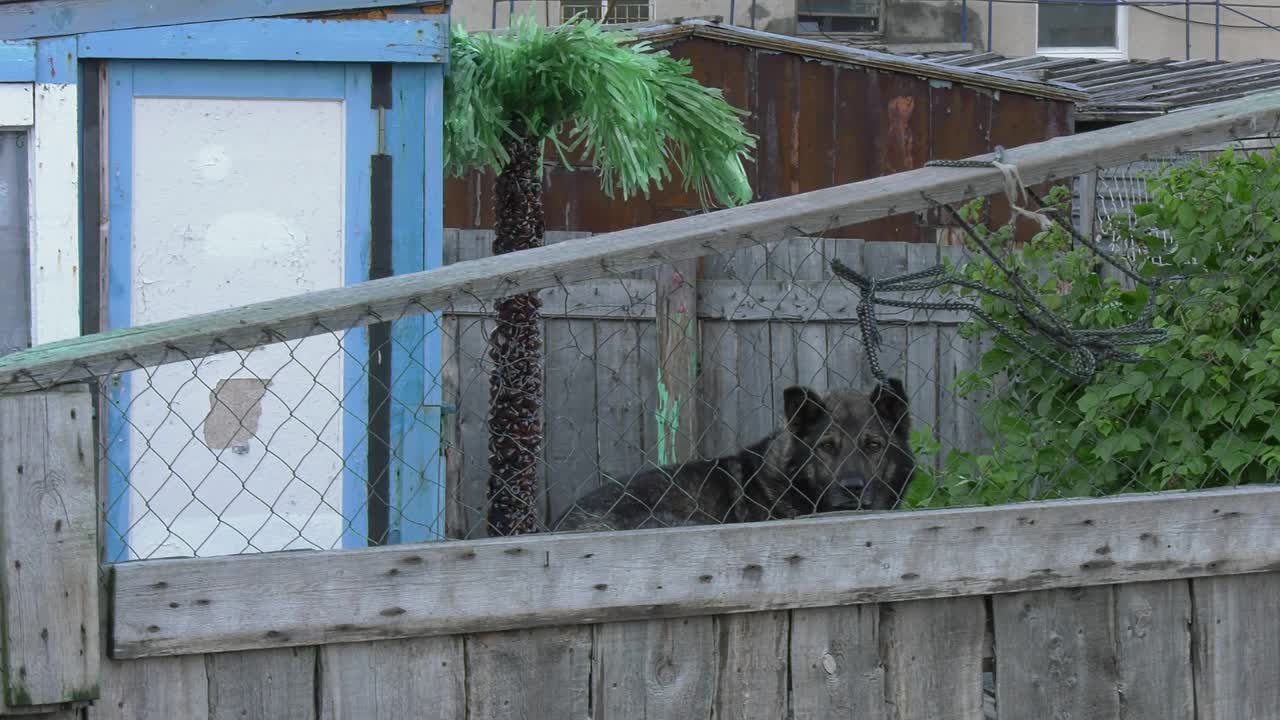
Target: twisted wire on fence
1017,386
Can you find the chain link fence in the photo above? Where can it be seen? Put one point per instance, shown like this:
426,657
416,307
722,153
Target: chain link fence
674,394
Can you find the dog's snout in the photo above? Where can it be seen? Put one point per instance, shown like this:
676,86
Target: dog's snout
853,483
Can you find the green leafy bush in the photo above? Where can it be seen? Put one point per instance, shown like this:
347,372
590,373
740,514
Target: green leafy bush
1197,410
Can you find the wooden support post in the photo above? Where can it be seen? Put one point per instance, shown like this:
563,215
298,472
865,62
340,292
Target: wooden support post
48,550
676,308
1088,199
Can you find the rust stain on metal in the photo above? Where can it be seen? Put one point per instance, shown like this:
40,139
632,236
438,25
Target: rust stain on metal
900,140
819,124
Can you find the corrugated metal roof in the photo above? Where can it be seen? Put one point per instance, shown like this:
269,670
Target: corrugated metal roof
1129,89
832,52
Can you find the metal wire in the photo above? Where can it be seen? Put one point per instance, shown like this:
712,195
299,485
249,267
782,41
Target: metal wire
277,447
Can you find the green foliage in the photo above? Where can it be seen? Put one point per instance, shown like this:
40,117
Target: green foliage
631,110
1198,410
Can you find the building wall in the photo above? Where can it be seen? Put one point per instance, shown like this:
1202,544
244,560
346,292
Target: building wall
1150,35
818,124
1153,32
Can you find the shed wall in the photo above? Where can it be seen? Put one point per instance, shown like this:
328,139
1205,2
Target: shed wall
819,124
15,306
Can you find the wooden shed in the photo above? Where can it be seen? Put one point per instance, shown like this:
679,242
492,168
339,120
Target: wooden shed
825,115
177,159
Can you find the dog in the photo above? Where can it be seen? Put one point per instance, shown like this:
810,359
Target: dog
845,451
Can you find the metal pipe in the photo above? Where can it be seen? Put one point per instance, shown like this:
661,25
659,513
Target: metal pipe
991,11
1217,30
732,3
964,20
494,24
1188,29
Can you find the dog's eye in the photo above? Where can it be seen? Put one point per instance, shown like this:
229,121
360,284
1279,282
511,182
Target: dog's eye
828,445
872,443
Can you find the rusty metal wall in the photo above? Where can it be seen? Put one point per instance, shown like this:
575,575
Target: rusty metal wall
820,124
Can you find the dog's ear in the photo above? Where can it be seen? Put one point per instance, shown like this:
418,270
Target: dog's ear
890,402
804,409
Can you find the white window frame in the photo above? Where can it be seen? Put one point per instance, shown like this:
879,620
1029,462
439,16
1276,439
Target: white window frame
604,5
1120,52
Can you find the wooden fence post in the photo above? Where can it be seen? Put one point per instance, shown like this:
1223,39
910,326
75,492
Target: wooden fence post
1088,199
49,631
676,308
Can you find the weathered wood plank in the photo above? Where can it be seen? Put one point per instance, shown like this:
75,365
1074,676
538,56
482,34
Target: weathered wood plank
782,358
754,660
921,374
458,517
718,389
845,361
678,342
799,259
813,300
278,683
1153,650
958,422
835,664
48,548
570,367
32,18
933,656
621,404
1237,642
15,304
647,391
526,674
654,669
757,414
153,688
471,486
608,255
290,598
55,169
411,39
393,679
1056,654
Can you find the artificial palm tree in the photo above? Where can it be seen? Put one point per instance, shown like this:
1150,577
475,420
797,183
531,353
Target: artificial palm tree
636,114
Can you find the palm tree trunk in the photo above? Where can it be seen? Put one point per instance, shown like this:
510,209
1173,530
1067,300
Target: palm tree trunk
515,347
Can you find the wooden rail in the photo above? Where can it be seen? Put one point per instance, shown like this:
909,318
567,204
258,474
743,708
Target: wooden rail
185,606
602,256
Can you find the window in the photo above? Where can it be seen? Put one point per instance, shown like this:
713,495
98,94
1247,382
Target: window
1083,28
624,11
838,16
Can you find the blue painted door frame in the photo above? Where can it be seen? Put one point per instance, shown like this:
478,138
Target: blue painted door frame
413,141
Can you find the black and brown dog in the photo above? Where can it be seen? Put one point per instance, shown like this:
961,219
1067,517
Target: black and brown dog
844,451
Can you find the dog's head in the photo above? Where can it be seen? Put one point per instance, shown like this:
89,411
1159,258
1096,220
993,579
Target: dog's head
849,451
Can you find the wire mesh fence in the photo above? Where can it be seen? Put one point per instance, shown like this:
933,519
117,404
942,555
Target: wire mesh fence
735,388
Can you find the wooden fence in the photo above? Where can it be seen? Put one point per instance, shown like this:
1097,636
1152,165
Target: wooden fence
1169,650
767,317
1145,606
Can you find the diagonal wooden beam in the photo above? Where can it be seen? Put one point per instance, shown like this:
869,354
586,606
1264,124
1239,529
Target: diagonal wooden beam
48,18
609,255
